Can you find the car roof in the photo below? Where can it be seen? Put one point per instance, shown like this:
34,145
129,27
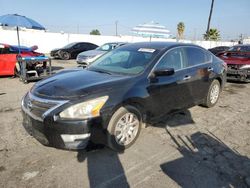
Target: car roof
16,47
155,45
119,43
5,45
239,45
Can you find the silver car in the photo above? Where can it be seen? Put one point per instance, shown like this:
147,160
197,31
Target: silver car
87,57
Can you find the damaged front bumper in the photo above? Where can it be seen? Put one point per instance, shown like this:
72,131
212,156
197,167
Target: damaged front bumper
238,74
41,124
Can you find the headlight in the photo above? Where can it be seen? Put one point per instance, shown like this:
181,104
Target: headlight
85,109
245,67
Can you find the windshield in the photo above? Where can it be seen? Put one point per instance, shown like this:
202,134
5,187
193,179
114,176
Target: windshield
123,61
107,47
239,49
69,45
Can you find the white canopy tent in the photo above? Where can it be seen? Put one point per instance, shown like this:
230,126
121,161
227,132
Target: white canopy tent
151,29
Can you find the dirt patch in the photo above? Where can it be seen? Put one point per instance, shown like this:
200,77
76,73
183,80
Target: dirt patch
230,91
6,110
238,86
2,168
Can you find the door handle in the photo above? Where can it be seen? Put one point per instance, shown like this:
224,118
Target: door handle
210,69
186,77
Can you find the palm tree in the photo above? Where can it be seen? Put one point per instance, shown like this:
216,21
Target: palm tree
180,30
212,34
209,18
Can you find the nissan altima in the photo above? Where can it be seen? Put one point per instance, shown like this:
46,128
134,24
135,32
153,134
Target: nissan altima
123,90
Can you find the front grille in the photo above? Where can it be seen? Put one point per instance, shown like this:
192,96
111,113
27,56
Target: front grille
38,106
234,66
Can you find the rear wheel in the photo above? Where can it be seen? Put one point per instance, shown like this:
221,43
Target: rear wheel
124,128
65,55
213,94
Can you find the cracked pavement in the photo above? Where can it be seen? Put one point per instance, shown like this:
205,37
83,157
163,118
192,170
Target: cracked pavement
198,147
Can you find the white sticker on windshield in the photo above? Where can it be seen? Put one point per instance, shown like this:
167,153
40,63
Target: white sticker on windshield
150,50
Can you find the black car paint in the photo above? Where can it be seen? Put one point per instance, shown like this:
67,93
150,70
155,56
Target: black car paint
154,96
74,50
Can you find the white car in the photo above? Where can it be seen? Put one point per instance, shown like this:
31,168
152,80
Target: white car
87,57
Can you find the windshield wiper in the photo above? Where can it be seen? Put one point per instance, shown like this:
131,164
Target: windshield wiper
101,71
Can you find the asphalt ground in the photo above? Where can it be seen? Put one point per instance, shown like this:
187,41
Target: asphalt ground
198,147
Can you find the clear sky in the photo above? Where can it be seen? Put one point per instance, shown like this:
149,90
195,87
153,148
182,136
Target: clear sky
230,17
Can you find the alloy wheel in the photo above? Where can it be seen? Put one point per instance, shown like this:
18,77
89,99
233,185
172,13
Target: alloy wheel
214,93
126,129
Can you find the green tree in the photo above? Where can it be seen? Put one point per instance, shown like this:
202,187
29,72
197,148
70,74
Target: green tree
180,30
212,34
95,32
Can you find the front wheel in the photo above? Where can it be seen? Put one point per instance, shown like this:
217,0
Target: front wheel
124,128
213,94
17,70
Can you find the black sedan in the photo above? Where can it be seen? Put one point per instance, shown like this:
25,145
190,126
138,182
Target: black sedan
71,50
122,91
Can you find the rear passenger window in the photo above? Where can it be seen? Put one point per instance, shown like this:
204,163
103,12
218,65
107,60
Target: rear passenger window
197,56
173,59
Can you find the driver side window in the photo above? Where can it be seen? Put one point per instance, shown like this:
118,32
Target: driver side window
172,59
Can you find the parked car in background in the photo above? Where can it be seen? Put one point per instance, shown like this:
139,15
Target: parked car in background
111,100
8,58
87,57
238,62
71,50
218,49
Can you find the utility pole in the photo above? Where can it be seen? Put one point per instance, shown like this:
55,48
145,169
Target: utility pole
210,16
116,32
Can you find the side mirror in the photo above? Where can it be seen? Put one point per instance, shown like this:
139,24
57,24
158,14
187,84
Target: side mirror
164,72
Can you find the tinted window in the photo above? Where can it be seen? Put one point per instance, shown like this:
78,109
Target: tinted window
92,46
197,56
78,46
6,51
173,59
240,49
70,45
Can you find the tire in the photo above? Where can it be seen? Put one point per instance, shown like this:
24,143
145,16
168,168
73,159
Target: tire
65,55
213,94
126,115
17,70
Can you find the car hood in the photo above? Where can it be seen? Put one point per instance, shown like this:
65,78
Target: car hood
236,60
76,83
92,53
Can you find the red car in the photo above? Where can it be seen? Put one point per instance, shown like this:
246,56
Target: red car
238,62
8,58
